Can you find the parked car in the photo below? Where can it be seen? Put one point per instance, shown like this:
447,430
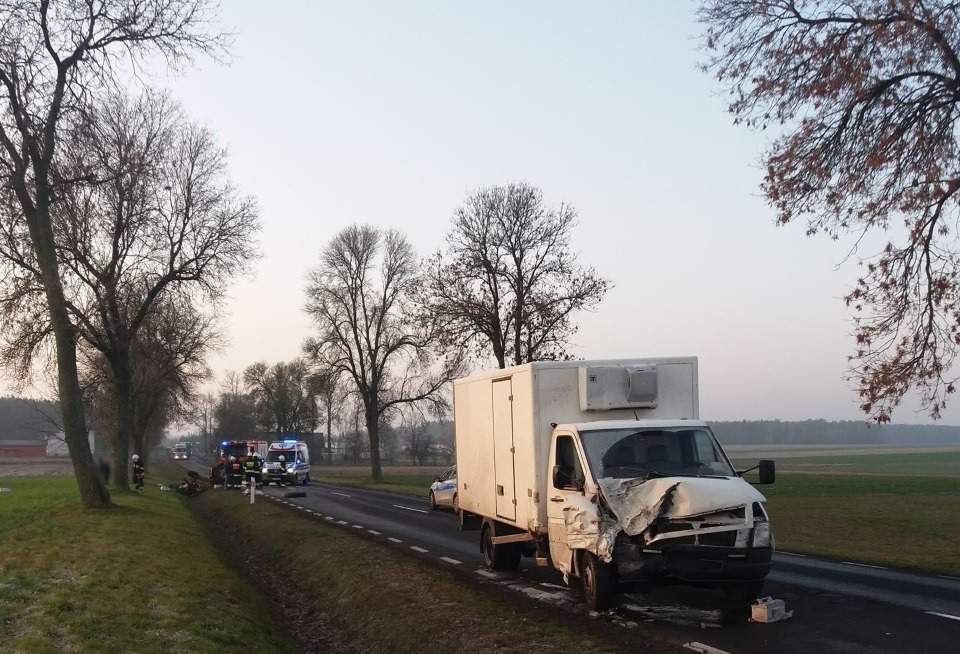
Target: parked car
443,492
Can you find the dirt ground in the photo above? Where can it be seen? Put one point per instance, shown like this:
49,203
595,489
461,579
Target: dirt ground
11,467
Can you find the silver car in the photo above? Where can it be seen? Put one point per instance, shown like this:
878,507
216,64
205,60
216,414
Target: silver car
443,492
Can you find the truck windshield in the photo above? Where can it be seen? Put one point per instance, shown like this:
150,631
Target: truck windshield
235,450
661,452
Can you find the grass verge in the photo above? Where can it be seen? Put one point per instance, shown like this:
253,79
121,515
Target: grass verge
909,464
908,522
359,595
141,577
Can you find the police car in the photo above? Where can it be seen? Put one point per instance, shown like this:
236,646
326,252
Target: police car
443,492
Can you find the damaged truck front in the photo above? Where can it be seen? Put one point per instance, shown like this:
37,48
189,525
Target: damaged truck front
602,470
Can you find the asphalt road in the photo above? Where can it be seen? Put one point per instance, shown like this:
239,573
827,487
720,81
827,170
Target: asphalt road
838,606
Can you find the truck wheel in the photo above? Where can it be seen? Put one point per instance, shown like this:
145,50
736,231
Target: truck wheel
433,502
498,557
599,583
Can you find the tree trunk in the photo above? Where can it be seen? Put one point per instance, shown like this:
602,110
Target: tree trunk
329,428
93,492
124,427
373,432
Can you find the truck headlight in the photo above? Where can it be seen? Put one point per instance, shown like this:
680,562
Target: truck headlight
761,534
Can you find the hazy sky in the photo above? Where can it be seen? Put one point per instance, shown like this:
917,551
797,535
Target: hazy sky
391,113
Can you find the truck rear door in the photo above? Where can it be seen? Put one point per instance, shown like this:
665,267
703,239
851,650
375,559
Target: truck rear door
503,449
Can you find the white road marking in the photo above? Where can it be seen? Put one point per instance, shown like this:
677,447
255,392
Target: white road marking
488,574
703,649
802,556
449,560
949,577
340,494
358,526
864,565
394,540
422,550
328,517
944,615
341,522
309,510
374,532
408,508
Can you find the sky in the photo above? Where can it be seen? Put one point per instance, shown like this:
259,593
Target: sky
392,113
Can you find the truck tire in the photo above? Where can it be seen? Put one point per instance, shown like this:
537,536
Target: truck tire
498,557
599,583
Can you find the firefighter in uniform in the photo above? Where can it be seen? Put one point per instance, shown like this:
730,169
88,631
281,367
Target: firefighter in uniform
138,472
251,467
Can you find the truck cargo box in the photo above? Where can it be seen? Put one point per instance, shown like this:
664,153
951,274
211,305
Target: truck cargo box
504,420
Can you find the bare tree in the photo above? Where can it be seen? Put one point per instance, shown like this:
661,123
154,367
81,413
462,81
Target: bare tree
168,364
418,440
865,94
359,298
329,389
285,396
236,411
53,55
155,217
203,415
508,282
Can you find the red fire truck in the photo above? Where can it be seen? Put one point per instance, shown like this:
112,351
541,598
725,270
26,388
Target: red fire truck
232,456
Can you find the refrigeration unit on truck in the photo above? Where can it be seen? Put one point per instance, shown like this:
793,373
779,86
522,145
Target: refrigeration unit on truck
603,470
288,462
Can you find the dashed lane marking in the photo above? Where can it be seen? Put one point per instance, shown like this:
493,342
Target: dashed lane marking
394,540
450,561
328,517
358,526
409,508
422,550
342,522
341,494
864,565
488,574
802,556
374,532
943,615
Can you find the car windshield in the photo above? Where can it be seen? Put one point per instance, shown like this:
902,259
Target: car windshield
654,452
275,455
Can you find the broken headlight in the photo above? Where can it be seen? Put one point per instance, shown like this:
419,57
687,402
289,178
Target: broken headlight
761,534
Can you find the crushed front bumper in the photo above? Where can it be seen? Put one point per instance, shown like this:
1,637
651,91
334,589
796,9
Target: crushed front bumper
693,564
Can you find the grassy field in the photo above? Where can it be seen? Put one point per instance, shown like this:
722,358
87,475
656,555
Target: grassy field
911,522
920,464
353,589
138,578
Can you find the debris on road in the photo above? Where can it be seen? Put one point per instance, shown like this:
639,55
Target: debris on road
676,614
703,649
767,609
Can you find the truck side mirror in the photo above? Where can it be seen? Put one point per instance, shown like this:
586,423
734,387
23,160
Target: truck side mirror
767,471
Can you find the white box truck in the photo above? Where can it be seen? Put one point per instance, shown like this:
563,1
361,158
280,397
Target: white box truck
604,470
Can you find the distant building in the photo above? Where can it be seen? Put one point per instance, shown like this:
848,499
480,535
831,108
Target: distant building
23,448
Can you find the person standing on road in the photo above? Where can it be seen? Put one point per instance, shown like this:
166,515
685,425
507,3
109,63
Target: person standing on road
138,472
251,466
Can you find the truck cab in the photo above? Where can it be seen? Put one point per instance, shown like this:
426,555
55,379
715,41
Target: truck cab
653,501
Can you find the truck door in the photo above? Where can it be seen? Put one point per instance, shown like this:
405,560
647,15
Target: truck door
565,493
503,449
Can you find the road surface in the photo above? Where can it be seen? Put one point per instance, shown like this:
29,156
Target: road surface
838,606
